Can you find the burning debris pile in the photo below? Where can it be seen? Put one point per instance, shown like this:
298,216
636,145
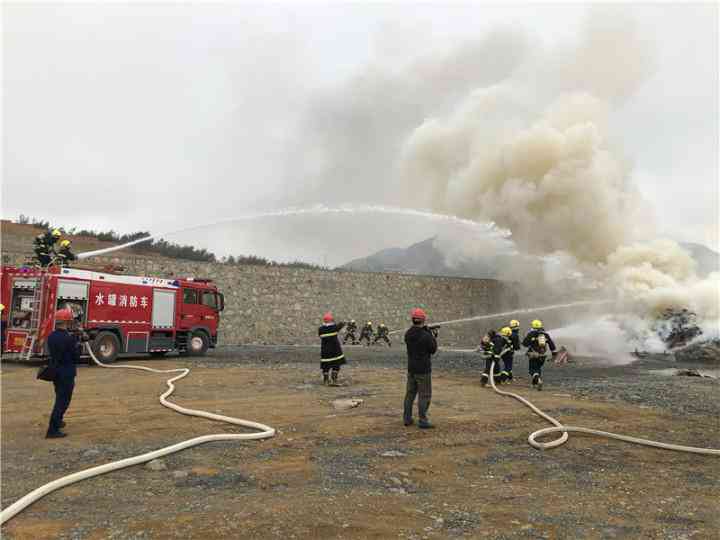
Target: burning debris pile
677,327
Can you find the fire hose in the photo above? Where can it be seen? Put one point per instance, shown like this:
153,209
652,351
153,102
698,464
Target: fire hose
532,439
264,432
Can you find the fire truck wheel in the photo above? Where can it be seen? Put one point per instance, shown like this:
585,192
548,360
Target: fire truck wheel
106,347
198,344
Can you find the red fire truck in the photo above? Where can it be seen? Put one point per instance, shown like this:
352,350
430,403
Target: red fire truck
122,314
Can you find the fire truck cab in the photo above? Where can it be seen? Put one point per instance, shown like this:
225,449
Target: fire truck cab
121,314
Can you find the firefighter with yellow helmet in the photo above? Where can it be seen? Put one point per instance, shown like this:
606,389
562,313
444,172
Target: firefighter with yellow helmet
537,341
515,339
64,254
367,333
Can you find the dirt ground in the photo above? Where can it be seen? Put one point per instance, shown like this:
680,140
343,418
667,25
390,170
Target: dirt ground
360,473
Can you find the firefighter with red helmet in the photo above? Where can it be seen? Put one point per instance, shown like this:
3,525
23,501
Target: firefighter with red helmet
421,345
331,353
64,348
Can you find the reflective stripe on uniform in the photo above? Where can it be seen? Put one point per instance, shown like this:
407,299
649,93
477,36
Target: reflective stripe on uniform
331,334
332,359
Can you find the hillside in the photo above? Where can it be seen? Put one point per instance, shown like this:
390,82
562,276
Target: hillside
424,258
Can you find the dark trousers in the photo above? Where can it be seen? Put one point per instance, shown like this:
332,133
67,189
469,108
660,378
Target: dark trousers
325,368
488,363
508,362
535,365
418,385
378,338
351,336
63,394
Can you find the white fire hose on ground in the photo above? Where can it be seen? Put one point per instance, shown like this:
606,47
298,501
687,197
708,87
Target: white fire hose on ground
532,439
264,432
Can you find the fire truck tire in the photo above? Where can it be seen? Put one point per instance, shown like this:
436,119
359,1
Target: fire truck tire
198,343
106,347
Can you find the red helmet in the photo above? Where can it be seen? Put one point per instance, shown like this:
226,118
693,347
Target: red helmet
328,317
418,313
64,315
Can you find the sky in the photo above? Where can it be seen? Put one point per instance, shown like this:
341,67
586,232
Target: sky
160,116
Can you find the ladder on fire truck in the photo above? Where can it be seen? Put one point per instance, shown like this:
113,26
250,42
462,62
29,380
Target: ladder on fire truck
36,307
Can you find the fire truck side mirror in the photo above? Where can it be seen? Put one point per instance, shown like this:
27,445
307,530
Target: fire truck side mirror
221,301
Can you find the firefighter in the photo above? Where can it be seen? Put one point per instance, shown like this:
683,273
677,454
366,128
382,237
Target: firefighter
64,255
507,354
383,333
367,333
44,246
64,348
350,332
490,347
421,345
515,337
331,353
537,342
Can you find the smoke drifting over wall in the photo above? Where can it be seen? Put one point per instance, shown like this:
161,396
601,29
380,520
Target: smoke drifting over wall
504,131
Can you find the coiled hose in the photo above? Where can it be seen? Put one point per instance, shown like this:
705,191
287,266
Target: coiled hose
264,432
532,439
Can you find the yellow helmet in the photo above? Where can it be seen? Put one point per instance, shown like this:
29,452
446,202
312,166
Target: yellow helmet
370,323
2,307
506,331
514,324
537,323
57,233
65,243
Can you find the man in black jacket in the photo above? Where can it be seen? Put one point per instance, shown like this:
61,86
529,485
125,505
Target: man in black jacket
421,345
64,350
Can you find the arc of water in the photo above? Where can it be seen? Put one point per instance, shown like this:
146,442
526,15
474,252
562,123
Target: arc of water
316,210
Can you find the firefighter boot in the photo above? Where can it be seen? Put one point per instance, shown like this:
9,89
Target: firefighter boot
334,378
539,383
535,379
326,378
483,380
509,377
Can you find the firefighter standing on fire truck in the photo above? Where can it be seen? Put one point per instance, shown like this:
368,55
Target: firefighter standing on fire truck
44,246
331,353
537,342
64,254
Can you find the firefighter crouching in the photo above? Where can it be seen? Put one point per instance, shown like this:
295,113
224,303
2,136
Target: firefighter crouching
44,246
538,342
351,333
331,353
489,349
383,333
367,333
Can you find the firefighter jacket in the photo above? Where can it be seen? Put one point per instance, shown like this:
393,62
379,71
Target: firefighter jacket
330,348
515,339
533,343
44,243
506,347
66,255
367,330
351,327
382,331
487,349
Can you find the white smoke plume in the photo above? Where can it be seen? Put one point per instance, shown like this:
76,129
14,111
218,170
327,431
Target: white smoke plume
533,153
